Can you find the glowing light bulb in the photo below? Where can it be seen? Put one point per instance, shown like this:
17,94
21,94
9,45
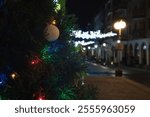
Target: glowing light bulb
89,47
54,22
112,62
32,62
13,75
118,41
104,44
120,25
40,98
84,48
96,46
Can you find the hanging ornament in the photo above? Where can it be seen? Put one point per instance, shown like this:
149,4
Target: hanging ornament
51,32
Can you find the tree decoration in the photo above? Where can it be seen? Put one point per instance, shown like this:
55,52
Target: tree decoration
41,98
51,32
39,95
3,79
57,8
55,47
54,22
14,75
50,76
49,53
36,60
46,56
67,93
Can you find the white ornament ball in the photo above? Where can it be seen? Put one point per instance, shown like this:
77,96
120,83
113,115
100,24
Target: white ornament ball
51,32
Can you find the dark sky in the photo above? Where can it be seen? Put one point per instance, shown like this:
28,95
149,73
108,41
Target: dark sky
85,10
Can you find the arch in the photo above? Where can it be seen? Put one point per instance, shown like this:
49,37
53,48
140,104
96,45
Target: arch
130,55
130,50
124,54
136,53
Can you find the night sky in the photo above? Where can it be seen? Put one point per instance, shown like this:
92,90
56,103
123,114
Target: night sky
85,10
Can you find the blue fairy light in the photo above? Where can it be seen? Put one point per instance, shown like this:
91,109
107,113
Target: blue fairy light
2,2
55,47
3,79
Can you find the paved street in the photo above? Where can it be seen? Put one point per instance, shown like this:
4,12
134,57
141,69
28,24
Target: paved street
130,86
138,75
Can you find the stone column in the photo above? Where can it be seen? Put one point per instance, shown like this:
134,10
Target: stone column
147,56
140,55
99,52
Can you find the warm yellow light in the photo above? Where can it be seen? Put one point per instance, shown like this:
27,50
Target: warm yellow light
120,25
54,22
13,75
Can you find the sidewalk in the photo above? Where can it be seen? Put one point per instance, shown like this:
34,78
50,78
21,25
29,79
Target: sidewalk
118,88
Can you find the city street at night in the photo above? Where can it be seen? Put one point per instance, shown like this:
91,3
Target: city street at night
85,57
44,53
134,84
136,74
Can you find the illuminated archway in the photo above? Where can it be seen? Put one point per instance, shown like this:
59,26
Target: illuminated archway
130,55
143,53
136,53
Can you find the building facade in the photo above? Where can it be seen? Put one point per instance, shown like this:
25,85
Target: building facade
135,38
139,32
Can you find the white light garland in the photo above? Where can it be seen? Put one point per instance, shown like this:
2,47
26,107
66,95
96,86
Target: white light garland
91,34
83,43
56,1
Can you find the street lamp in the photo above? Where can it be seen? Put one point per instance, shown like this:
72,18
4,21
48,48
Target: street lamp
95,46
119,25
104,44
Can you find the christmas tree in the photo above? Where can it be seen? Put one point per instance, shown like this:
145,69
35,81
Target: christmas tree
33,64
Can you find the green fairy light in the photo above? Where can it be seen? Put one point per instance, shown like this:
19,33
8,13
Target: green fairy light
58,7
46,56
67,93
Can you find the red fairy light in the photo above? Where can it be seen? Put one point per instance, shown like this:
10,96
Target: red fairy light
40,98
36,60
40,95
32,62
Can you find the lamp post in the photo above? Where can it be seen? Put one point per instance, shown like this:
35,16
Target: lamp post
119,25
